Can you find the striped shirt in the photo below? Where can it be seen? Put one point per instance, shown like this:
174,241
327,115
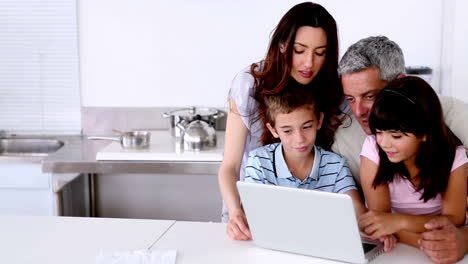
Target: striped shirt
329,173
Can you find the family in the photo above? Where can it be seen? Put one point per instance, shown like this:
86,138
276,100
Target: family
299,118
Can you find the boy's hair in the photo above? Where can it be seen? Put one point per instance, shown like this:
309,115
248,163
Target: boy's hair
293,97
410,105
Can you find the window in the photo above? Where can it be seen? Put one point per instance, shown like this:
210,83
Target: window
39,71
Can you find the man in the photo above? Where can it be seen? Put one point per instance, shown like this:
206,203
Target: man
366,68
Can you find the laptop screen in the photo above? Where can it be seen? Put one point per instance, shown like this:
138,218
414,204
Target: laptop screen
269,207
368,247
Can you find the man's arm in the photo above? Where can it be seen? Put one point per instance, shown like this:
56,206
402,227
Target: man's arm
443,242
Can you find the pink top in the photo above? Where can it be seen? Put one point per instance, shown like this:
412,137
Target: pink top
403,196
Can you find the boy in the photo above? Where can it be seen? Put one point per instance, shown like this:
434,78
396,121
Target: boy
293,118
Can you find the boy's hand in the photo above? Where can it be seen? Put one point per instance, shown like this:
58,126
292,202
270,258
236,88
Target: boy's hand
237,228
379,224
389,242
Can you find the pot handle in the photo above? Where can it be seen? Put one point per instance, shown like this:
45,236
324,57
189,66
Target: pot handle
104,138
219,114
182,124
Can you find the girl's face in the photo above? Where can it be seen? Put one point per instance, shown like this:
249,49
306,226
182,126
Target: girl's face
309,52
398,146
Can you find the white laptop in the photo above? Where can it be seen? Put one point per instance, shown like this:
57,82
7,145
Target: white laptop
314,223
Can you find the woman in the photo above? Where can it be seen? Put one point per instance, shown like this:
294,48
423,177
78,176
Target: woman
303,49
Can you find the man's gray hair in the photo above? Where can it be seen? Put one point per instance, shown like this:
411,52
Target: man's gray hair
377,52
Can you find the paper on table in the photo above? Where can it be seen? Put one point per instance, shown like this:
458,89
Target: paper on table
137,257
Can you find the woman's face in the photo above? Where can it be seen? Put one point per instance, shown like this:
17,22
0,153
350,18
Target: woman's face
309,51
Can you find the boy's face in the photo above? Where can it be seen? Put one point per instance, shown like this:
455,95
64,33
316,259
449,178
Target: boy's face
297,131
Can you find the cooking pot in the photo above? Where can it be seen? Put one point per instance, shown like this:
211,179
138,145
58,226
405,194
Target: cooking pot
131,139
209,115
197,135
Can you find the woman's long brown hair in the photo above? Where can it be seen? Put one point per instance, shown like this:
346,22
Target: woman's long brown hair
274,72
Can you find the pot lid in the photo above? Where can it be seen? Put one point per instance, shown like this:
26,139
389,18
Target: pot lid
193,111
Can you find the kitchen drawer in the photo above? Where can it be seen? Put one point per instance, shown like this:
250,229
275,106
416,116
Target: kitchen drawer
26,202
23,176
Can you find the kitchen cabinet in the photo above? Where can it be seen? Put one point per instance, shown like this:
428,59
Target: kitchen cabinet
193,197
26,190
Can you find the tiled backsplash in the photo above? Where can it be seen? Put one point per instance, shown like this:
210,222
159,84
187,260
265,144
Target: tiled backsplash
101,120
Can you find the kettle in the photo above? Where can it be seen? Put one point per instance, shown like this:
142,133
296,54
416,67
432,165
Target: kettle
197,134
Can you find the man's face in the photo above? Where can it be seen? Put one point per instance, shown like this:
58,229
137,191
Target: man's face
360,90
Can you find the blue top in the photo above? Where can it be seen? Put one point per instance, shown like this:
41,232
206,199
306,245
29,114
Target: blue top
330,172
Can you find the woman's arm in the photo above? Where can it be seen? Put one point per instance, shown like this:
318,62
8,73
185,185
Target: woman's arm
234,146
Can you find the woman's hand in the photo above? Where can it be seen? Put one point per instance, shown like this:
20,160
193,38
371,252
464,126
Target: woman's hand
237,227
379,224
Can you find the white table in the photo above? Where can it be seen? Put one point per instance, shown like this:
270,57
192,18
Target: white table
48,239
44,239
208,243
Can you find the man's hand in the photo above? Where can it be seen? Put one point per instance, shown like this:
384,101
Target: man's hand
443,242
237,228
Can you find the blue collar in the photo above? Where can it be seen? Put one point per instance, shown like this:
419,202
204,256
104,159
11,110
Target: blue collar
282,170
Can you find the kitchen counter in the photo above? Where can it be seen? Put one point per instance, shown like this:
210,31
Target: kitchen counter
73,171
27,239
79,156
34,239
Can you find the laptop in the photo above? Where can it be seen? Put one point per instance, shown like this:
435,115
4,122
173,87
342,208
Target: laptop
313,223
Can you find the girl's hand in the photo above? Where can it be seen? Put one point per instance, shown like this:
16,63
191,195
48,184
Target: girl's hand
378,224
389,242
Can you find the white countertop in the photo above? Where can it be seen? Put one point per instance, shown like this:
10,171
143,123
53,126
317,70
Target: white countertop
208,243
163,147
48,239
29,239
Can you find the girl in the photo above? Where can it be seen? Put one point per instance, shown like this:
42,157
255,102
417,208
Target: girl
304,49
413,167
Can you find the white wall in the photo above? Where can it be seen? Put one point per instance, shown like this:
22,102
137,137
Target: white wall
454,49
185,52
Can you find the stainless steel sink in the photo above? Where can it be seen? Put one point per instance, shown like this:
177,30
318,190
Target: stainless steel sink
28,146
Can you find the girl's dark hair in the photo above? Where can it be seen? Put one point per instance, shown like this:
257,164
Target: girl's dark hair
274,72
410,105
